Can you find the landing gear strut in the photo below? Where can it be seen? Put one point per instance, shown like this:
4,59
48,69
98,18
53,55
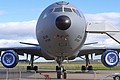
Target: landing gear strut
61,72
32,67
87,67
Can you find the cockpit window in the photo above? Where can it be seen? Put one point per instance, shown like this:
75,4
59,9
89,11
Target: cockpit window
58,9
77,12
67,10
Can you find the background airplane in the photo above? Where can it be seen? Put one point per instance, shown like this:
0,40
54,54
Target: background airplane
61,31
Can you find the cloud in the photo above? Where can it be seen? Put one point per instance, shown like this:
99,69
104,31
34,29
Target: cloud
11,33
113,17
15,43
17,30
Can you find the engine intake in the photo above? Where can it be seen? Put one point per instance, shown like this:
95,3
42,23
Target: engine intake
110,58
9,59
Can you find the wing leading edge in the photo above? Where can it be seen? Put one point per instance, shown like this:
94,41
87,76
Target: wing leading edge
85,50
33,50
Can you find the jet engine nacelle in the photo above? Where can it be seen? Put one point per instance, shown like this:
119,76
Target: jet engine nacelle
110,58
9,59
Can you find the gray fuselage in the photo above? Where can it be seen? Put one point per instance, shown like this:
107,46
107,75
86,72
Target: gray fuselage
60,30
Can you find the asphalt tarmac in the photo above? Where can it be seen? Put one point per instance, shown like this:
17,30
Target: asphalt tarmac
16,74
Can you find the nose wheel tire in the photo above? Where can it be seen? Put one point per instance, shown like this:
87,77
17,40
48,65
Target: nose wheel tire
61,72
58,75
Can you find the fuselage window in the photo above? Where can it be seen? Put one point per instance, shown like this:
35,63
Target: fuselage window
77,12
67,10
58,9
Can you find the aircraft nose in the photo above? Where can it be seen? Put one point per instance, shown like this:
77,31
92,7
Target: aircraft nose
63,22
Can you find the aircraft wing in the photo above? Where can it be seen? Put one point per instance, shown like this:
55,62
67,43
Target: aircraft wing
35,50
85,50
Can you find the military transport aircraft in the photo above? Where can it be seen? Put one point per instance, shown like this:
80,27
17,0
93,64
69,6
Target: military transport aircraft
61,31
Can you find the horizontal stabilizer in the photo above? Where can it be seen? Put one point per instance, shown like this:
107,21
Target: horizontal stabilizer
100,27
104,27
90,43
29,44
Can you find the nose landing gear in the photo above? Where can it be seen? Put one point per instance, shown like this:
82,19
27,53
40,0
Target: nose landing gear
61,72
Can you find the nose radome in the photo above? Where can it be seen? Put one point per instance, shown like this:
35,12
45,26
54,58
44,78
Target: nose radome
63,22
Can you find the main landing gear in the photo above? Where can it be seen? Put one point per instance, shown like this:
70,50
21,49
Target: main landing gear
88,66
61,72
32,67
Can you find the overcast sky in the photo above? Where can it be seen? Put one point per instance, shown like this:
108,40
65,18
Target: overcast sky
18,18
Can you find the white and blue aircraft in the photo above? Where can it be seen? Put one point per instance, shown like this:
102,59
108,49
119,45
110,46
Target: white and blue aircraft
61,31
